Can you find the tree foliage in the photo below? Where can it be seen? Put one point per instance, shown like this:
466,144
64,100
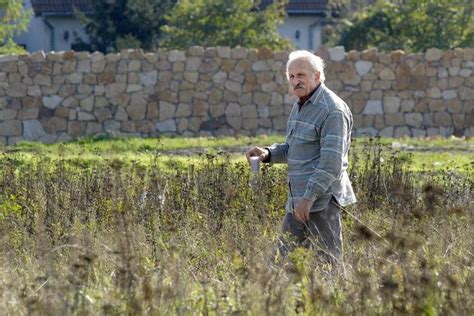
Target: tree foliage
13,20
116,24
224,23
411,25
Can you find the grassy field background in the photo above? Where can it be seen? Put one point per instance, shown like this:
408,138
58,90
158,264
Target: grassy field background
180,226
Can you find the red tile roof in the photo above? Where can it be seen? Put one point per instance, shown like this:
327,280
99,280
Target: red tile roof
59,7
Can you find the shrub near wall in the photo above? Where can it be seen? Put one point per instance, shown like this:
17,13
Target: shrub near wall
224,91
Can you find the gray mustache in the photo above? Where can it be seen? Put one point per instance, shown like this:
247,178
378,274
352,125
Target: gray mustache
299,85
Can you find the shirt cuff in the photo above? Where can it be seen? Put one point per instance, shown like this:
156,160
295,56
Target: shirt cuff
269,157
308,194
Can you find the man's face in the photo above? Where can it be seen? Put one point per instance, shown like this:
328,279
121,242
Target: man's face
302,78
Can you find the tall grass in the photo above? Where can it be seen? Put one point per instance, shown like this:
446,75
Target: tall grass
113,238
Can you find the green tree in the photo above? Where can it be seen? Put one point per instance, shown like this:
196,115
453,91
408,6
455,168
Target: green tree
14,19
224,23
116,24
411,25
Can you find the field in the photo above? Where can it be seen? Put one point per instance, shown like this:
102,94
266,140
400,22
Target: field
181,226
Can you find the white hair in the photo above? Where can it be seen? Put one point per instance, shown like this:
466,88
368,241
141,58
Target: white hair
316,62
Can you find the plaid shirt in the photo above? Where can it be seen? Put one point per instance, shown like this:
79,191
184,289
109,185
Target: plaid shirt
316,150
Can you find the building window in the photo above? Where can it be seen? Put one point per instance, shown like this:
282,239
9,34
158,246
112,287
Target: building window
297,34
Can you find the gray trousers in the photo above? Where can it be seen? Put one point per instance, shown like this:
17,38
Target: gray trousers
322,232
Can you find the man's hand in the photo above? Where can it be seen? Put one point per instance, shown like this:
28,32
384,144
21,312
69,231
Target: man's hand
257,151
301,210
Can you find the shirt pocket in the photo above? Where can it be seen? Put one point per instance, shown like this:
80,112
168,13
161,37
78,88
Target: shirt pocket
305,133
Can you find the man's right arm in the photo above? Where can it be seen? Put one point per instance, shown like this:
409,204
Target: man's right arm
278,153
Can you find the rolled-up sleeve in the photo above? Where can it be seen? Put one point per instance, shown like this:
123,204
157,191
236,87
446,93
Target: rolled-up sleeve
278,153
333,146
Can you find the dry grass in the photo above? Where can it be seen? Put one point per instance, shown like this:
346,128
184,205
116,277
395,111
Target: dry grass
114,238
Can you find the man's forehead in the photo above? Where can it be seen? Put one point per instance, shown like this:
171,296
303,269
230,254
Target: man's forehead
299,64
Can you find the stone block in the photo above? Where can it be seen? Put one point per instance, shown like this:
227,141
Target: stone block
238,53
200,108
102,114
434,93
336,53
84,66
16,90
166,110
28,114
36,57
391,104
261,65
52,102
433,54
387,132
454,106
387,74
280,123
42,80
76,129
111,126
250,111
234,122
442,119
134,65
437,105
8,114
175,55
366,132
373,107
363,67
54,124
260,98
137,108
449,94
168,126
466,93
402,131
223,52
84,116
454,71
349,76
93,128
233,86
459,121
145,127
32,129
121,114
394,119
14,140
414,119
407,105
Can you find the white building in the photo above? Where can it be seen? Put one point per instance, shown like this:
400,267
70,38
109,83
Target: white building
304,23
55,27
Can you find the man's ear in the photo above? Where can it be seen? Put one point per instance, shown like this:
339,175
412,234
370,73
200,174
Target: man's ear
317,76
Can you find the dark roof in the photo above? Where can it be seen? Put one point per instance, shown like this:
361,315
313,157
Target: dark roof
302,6
65,7
59,7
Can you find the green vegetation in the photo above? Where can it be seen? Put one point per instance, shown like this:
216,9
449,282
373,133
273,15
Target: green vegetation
435,154
412,25
13,20
224,23
114,25
122,237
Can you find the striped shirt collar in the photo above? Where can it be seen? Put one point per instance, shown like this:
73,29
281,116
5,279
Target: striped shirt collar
301,101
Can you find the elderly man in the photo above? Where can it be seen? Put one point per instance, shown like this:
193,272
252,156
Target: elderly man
316,150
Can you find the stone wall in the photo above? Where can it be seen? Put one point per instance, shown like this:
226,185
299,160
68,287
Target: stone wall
223,91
